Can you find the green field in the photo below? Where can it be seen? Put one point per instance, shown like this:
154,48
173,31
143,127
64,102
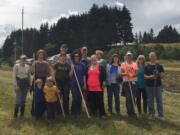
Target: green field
82,126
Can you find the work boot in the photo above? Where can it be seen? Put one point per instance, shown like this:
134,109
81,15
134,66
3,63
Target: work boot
22,111
16,112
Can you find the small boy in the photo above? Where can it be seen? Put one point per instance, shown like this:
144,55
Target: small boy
50,92
40,103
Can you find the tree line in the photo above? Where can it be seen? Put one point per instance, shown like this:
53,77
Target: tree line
97,29
167,35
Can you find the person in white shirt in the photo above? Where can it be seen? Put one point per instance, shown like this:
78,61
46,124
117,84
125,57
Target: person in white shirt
21,79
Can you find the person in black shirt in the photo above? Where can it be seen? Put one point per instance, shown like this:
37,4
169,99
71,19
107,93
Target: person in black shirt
153,73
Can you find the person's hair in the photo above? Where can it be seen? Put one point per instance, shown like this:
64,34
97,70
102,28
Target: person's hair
143,57
112,58
40,51
75,52
39,81
50,79
64,45
99,52
152,53
93,55
125,57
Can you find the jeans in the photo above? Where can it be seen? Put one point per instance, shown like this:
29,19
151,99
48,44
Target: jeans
76,100
141,92
21,95
51,109
113,89
64,89
158,96
129,103
40,108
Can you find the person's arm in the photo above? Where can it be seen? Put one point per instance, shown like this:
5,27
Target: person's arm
146,76
14,78
123,70
84,79
32,68
104,77
29,77
48,69
71,71
135,71
162,75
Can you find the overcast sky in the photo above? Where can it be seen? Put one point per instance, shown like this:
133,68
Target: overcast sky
145,14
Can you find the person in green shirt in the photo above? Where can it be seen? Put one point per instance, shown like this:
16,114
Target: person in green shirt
61,69
141,85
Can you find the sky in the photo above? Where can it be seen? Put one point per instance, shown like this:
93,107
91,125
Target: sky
145,14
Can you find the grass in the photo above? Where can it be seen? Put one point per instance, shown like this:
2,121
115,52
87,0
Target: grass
83,126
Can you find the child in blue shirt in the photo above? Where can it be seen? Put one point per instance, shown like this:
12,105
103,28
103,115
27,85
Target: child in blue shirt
40,103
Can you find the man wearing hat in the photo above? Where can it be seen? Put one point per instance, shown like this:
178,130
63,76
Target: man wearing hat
129,71
63,50
21,79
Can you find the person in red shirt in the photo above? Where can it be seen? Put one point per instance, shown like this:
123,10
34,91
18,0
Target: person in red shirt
96,82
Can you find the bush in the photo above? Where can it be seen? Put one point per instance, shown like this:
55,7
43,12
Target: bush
164,53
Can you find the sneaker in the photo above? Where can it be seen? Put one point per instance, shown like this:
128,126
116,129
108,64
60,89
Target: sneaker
103,117
49,121
151,117
118,113
161,118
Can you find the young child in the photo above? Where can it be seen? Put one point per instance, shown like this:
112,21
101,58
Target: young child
40,103
50,92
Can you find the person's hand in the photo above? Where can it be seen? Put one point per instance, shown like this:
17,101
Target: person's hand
104,84
152,76
17,88
72,67
84,87
58,92
29,90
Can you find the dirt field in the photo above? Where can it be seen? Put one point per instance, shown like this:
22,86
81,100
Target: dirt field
172,81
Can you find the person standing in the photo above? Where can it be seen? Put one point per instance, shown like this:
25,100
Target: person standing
96,82
21,78
87,62
100,60
141,91
80,72
113,87
41,70
62,79
40,103
85,59
153,74
50,93
129,71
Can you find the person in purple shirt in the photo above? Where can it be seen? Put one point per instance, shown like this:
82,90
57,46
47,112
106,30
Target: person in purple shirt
80,72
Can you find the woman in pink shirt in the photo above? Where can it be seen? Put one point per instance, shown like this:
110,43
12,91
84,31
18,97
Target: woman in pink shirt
96,82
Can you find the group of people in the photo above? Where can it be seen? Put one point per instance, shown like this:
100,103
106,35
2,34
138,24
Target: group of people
78,73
